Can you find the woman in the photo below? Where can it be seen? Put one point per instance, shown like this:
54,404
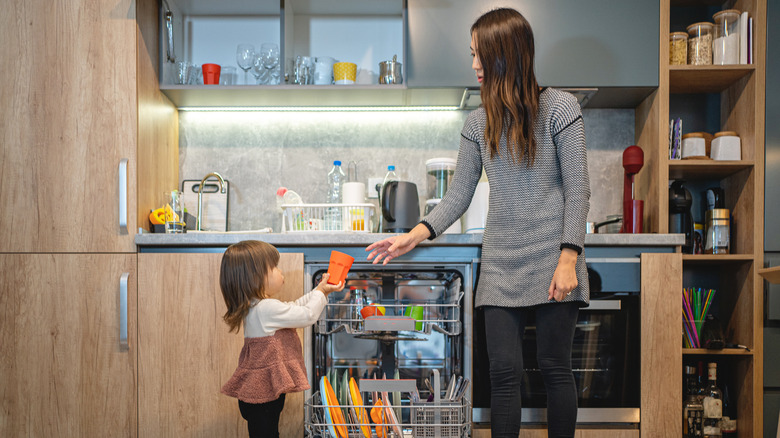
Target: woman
531,144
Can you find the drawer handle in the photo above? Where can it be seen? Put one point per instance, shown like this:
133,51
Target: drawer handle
123,345
603,305
123,196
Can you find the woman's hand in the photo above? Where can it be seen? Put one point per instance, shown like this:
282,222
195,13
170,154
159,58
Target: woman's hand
565,277
327,288
392,247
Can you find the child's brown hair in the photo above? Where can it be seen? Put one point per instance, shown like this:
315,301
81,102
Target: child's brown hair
242,277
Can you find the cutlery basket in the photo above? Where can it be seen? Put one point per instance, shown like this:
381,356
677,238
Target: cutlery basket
445,419
328,218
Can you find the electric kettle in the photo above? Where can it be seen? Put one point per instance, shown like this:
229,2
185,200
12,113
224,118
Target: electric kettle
400,207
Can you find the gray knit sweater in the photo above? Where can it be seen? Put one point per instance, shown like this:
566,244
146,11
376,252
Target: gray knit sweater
533,212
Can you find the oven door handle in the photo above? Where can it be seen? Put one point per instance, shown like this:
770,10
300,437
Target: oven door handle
603,305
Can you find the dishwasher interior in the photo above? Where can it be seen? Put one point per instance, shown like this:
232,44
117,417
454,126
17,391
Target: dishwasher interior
418,344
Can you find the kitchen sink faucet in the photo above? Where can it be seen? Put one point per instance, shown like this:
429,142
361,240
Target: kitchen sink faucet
200,193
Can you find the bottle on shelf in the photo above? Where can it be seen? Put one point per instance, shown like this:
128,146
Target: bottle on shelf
336,178
693,411
712,403
728,424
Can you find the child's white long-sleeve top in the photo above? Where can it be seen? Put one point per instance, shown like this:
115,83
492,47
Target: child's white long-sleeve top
269,315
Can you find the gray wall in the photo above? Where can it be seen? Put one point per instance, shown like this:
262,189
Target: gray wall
260,151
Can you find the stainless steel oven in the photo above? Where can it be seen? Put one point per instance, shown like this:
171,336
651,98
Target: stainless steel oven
605,354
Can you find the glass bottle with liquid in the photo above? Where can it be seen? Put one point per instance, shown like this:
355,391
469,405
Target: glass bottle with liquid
357,303
712,404
693,411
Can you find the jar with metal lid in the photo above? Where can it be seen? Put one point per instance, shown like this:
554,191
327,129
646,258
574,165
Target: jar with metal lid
678,48
717,240
725,45
700,43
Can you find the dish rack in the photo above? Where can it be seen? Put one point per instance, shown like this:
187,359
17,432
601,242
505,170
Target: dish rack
313,218
445,419
440,317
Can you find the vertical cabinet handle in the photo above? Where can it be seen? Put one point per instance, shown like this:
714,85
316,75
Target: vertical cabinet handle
123,196
123,345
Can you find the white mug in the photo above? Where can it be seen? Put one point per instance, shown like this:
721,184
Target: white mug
354,193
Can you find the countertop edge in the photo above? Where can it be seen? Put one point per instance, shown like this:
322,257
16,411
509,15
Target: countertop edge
216,239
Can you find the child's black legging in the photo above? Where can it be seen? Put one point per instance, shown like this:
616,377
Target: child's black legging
504,327
263,418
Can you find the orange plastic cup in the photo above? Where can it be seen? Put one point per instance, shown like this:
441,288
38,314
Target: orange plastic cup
339,266
211,74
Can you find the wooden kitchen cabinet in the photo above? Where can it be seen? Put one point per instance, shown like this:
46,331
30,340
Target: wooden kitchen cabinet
578,44
727,98
65,370
186,353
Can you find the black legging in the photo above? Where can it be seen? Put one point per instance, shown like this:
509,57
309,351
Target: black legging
263,418
504,329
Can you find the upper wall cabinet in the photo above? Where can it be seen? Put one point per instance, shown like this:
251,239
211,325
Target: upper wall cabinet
598,43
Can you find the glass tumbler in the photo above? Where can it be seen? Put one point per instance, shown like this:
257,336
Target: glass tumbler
173,201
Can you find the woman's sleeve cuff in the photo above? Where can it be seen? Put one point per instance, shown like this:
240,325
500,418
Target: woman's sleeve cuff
430,230
572,246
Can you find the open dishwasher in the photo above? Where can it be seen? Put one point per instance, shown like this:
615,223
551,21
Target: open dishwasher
402,374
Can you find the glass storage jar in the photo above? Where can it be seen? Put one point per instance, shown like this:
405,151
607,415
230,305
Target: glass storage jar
725,45
717,240
700,43
678,48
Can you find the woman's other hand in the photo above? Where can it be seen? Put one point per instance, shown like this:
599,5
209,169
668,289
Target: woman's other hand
396,246
565,277
327,288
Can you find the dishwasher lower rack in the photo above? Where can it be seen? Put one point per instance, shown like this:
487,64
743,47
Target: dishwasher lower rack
442,317
448,419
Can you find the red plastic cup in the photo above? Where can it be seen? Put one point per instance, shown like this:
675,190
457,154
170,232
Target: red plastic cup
211,74
339,266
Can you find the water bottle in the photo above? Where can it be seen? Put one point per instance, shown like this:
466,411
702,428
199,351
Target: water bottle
336,178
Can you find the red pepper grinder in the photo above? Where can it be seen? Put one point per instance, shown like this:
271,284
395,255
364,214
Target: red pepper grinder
633,160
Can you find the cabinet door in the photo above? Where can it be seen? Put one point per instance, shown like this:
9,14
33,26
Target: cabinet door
68,118
186,353
65,371
599,43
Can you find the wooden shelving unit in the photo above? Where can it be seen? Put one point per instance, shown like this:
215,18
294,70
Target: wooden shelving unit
733,97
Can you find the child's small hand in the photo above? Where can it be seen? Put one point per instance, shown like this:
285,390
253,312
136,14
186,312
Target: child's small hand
328,288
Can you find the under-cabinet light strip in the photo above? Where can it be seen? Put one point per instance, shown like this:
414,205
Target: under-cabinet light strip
319,109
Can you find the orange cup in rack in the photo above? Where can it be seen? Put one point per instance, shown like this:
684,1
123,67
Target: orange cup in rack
339,266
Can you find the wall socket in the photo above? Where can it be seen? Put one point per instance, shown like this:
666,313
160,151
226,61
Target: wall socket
371,189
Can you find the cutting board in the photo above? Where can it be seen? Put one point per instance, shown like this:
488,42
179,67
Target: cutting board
215,204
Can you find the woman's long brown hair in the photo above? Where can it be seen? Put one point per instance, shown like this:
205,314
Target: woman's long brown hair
242,277
510,93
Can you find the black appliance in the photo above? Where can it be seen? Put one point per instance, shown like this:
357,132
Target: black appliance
680,216
400,207
605,353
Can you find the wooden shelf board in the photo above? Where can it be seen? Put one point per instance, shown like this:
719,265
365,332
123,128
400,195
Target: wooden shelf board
723,352
687,79
716,259
676,3
706,169
771,275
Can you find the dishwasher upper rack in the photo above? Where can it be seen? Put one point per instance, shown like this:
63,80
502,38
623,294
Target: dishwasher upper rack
416,419
444,318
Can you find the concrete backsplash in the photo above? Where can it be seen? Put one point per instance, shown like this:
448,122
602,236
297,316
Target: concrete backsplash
260,151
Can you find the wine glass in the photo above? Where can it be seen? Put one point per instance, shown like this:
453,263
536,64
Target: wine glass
269,57
258,71
245,57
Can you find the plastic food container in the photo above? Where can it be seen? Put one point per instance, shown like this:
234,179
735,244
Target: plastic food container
678,48
725,45
700,43
726,146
